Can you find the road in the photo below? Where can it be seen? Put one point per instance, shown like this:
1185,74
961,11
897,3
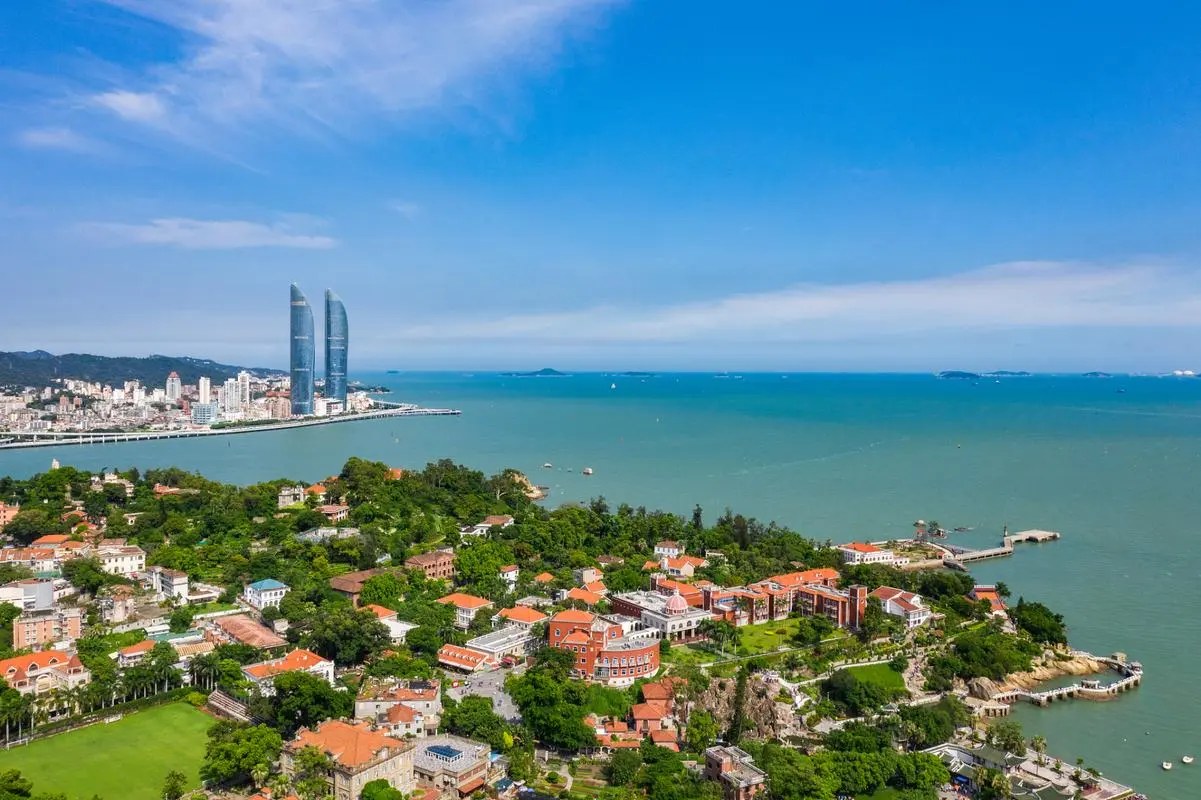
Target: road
490,685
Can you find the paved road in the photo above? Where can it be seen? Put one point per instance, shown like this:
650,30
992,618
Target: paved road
491,685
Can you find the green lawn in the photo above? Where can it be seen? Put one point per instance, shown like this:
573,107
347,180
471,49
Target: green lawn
767,637
881,674
125,760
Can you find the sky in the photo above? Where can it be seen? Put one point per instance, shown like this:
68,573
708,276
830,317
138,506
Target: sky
514,184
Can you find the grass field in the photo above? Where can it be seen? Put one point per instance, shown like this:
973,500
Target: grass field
768,637
125,760
881,674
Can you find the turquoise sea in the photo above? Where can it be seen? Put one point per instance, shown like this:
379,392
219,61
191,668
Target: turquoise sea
1114,464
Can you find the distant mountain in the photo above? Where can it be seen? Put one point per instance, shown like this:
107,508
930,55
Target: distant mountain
1097,375
954,374
545,372
39,368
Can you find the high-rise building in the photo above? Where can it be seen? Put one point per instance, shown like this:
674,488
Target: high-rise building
231,398
244,388
303,354
337,338
174,388
204,391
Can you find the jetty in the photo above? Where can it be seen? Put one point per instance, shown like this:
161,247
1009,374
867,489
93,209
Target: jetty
23,439
1131,672
957,557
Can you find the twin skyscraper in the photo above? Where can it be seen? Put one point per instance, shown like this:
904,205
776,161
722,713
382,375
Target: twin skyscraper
304,351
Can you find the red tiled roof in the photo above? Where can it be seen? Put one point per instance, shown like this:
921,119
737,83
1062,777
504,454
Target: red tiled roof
380,611
522,614
144,646
247,631
861,547
573,616
509,568
399,712
660,691
584,596
576,637
665,737
460,600
596,587
648,711
496,519
461,657
350,745
293,662
471,786
543,577
316,488
50,539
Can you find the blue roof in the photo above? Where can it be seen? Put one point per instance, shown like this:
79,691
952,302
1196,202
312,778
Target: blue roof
268,583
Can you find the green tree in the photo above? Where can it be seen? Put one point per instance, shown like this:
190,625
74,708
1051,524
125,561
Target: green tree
474,718
1040,622
348,636
1006,734
87,575
702,731
302,700
175,784
992,785
623,766
14,785
234,750
181,619
380,789
311,776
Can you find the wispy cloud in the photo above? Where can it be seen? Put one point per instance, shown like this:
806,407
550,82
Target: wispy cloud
317,65
198,234
406,208
1006,296
57,138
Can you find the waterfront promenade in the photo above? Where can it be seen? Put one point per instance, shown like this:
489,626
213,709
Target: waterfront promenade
11,440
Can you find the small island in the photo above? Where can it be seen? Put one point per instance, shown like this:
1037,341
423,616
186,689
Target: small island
954,374
545,372
1007,373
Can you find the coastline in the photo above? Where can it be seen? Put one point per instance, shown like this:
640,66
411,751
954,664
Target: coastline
82,438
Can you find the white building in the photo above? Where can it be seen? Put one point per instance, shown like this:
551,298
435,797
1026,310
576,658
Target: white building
397,628
865,553
231,398
204,393
205,413
174,388
244,388
906,605
670,617
265,593
515,641
669,548
509,575
122,559
379,698
171,584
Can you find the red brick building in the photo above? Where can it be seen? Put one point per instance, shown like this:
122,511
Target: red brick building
602,653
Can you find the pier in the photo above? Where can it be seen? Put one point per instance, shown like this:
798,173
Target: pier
1132,676
22,439
958,557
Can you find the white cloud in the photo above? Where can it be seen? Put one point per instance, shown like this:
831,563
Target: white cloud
406,208
145,107
1006,296
56,138
197,234
316,65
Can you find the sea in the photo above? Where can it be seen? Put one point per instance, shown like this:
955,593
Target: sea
1112,463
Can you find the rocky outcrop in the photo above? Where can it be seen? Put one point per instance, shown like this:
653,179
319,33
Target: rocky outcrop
1050,666
765,717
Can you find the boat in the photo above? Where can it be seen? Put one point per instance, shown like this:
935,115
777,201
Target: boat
1186,759
548,465
586,471
1166,765
612,385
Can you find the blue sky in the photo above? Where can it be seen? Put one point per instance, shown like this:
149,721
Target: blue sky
585,183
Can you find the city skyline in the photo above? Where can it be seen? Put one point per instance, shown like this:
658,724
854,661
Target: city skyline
801,187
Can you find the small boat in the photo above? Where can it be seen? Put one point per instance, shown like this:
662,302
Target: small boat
1186,759
586,471
1166,765
548,465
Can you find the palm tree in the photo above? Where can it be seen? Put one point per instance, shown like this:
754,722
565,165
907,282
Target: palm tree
1039,745
259,774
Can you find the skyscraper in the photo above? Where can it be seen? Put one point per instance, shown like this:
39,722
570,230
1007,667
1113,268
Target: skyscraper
231,398
303,354
203,390
244,388
174,389
336,342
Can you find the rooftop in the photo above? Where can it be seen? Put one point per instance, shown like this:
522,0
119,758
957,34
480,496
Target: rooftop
267,584
461,600
349,745
449,754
